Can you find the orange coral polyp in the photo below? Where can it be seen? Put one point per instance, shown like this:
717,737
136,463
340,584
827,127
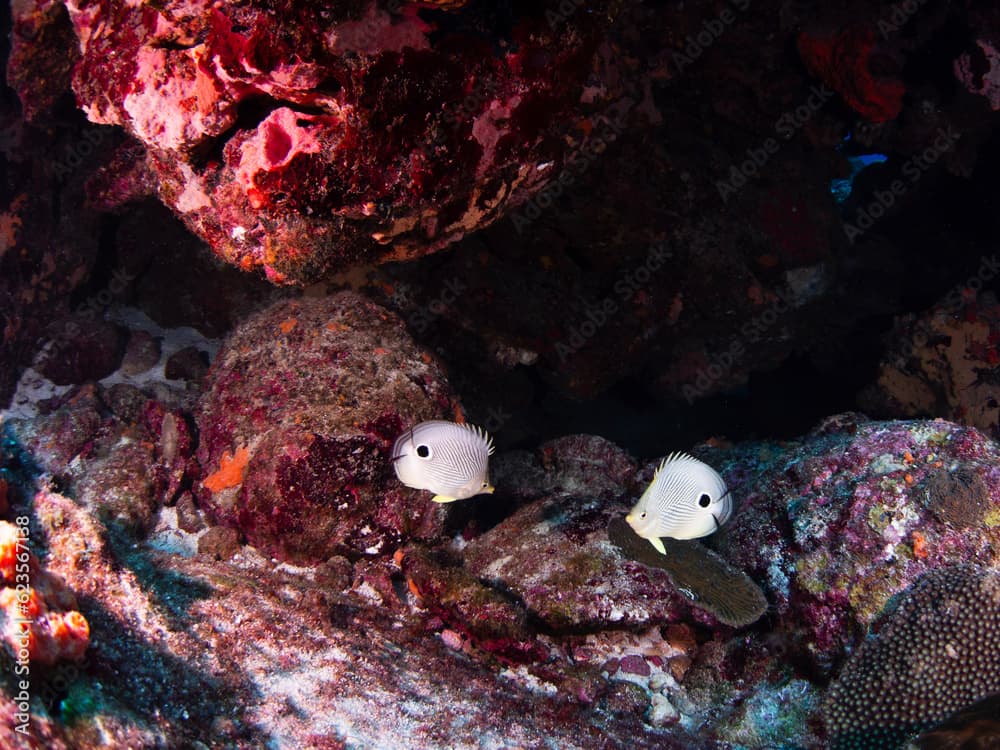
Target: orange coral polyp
34,624
9,537
77,624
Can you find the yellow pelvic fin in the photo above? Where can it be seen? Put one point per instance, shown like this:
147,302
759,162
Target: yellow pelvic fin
446,499
658,544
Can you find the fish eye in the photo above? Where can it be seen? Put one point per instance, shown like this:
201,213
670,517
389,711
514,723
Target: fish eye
642,515
704,501
485,485
424,451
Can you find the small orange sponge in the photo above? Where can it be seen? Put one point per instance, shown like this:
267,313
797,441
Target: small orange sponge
38,619
230,471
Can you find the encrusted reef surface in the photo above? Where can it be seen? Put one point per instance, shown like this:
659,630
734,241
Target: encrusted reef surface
636,189
300,411
296,138
526,618
659,198
944,361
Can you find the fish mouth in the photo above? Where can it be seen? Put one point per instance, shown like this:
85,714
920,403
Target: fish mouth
489,489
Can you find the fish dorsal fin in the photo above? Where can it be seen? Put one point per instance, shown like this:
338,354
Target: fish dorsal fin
482,435
675,457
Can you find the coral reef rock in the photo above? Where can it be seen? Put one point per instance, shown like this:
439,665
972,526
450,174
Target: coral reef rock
839,523
297,422
556,617
936,656
296,139
945,361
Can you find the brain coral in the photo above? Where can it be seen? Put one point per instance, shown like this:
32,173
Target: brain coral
960,498
938,653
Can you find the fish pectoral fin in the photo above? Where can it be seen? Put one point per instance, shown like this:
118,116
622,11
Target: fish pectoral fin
658,545
446,499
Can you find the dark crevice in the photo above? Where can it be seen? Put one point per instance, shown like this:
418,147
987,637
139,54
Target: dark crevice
172,45
105,264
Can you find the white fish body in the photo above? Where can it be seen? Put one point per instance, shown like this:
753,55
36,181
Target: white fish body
687,499
449,459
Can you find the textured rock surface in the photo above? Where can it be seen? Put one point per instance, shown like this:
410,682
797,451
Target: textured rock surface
538,619
299,139
299,415
704,577
554,555
758,272
124,466
945,361
625,268
42,260
689,247
838,524
80,350
192,650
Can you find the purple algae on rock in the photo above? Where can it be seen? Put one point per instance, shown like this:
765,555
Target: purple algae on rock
297,421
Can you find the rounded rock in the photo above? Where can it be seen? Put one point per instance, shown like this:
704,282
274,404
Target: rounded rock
80,350
297,422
